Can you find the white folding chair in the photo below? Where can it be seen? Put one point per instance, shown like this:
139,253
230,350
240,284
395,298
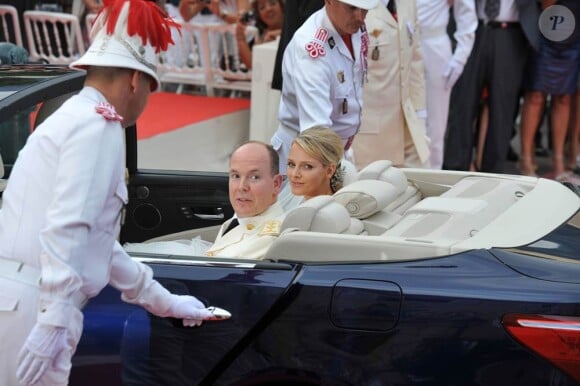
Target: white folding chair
9,25
186,61
53,36
226,68
89,22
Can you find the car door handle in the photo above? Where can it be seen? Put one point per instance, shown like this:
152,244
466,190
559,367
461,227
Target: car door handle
219,216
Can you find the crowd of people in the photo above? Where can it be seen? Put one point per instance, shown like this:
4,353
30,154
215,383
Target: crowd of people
444,84
439,91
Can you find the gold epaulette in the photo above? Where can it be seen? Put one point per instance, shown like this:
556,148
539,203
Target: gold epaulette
271,228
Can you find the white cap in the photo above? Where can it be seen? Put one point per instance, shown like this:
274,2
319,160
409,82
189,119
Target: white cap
112,45
363,4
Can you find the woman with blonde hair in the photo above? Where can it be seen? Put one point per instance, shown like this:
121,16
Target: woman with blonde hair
314,163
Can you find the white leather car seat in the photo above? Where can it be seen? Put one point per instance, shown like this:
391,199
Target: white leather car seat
385,171
321,214
368,200
461,212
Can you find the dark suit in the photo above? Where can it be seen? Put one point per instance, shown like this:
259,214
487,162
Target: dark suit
497,61
295,14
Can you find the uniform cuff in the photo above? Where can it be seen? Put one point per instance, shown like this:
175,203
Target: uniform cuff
57,313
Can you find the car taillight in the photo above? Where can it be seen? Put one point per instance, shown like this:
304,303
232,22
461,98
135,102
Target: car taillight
556,338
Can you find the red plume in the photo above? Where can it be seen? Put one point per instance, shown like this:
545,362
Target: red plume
145,19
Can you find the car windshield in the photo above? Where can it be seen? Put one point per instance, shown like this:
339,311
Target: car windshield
23,89
15,79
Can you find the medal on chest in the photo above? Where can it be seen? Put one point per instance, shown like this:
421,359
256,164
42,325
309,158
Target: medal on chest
375,55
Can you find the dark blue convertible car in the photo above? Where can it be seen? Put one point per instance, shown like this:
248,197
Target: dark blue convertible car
404,277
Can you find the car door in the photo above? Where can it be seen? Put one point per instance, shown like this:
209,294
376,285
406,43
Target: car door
123,344
163,202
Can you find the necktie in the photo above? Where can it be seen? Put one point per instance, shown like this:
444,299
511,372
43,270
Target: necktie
234,223
491,9
392,7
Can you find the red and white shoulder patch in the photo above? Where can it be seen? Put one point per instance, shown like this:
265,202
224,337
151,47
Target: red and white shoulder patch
315,47
108,112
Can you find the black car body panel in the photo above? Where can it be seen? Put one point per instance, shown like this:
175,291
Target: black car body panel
429,322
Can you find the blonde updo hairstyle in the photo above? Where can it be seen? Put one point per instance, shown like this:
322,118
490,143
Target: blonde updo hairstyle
325,145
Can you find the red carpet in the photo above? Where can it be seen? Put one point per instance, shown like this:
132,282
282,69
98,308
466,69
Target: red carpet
168,111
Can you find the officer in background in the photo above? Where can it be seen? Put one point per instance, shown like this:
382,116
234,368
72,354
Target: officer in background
393,120
324,67
62,207
442,66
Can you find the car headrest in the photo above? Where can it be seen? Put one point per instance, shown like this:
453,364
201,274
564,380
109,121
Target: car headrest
321,214
363,198
385,171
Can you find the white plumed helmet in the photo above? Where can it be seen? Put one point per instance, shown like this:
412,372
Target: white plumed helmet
128,34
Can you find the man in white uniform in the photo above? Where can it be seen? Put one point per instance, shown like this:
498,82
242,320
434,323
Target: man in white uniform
62,207
324,68
393,120
442,67
254,186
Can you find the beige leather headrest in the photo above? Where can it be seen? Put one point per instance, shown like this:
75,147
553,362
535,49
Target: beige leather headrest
321,214
363,198
385,171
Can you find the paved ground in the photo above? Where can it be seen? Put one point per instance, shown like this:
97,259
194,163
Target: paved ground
544,162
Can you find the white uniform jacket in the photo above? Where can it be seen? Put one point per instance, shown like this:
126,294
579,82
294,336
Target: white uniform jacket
62,208
434,17
395,89
322,82
251,238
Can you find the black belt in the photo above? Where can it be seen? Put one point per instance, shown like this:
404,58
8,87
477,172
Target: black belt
502,24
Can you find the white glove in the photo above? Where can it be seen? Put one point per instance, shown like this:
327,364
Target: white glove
41,348
452,73
191,310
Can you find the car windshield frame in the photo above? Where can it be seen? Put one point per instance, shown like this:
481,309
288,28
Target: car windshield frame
21,86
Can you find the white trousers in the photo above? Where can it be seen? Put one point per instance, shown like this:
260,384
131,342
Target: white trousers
437,53
18,311
412,159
